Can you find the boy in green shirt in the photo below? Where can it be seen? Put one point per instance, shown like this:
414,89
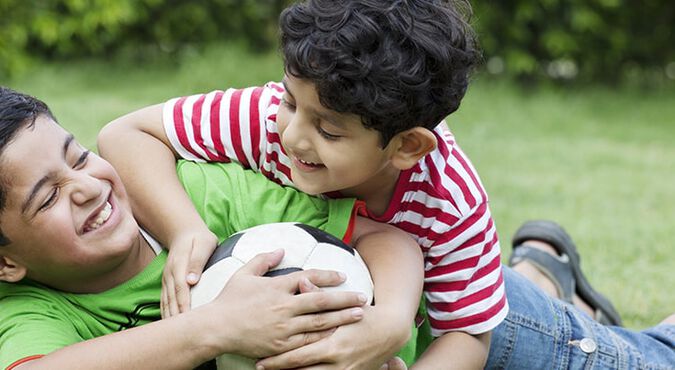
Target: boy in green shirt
76,269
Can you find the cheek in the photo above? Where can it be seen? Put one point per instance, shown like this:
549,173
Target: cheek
59,224
105,171
50,243
341,164
357,161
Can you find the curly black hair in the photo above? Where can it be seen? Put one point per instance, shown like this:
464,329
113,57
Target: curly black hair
17,111
397,64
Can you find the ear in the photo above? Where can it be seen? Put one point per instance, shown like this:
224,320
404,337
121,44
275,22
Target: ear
410,146
10,271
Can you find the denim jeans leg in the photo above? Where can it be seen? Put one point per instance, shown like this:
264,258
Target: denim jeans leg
531,334
545,333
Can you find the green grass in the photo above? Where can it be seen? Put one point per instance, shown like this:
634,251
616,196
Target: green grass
600,162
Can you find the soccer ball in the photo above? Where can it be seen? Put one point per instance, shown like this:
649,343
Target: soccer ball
306,247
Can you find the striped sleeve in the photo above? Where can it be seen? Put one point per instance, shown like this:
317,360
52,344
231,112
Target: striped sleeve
463,281
277,165
446,209
220,126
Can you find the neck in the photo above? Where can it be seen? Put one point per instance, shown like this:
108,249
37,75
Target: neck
138,259
377,191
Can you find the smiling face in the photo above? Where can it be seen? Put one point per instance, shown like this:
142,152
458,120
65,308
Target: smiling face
67,215
330,151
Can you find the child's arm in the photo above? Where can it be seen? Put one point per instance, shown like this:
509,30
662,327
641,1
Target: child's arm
395,263
274,319
138,147
456,350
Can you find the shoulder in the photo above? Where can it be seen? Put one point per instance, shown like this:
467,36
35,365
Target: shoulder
21,302
441,191
453,177
29,312
200,179
15,293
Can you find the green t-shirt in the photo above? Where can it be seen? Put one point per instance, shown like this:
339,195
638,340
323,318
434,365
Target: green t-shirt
36,320
230,199
282,203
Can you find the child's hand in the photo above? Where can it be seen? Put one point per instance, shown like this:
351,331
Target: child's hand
187,257
366,344
263,316
394,364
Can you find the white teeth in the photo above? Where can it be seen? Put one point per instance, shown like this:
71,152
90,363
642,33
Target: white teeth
101,217
309,163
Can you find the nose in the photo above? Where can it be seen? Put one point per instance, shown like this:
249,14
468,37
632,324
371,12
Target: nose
85,188
295,136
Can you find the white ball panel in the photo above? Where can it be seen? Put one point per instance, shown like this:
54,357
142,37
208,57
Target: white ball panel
267,238
213,280
330,257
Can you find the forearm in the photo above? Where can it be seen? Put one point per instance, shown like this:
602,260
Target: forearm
272,321
396,266
141,154
455,350
177,343
395,263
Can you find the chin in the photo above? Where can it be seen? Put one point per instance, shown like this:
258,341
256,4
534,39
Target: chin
310,187
128,230
311,190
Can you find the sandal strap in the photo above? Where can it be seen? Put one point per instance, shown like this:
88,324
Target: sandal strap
554,235
556,268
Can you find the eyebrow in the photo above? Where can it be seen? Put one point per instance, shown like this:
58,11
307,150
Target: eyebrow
38,185
328,115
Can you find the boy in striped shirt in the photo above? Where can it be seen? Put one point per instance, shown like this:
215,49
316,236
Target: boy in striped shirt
358,114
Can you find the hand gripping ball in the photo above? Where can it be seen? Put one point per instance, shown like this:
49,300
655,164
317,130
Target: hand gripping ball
306,247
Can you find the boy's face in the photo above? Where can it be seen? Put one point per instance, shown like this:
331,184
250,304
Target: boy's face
67,216
329,151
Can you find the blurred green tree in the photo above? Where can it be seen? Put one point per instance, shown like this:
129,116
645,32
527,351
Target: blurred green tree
582,40
587,40
61,29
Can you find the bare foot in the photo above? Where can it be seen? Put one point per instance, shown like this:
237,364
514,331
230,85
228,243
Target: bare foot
533,274
669,320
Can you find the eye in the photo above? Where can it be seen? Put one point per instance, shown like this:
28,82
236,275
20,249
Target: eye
82,160
287,104
52,198
326,135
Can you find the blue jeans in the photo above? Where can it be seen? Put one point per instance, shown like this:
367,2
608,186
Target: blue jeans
545,333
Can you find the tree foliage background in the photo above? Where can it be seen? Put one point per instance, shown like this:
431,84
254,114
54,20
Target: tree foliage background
606,41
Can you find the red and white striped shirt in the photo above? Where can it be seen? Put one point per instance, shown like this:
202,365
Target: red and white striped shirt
440,202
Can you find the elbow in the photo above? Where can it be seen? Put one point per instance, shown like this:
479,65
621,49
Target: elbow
107,138
404,335
399,337
400,331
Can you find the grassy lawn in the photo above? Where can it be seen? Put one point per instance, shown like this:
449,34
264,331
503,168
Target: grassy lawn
600,162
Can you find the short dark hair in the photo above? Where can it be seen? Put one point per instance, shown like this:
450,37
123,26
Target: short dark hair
17,111
397,64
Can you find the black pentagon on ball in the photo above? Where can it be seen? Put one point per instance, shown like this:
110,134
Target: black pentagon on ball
223,250
324,237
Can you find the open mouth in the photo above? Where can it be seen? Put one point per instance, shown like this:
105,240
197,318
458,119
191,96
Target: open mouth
308,165
99,218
